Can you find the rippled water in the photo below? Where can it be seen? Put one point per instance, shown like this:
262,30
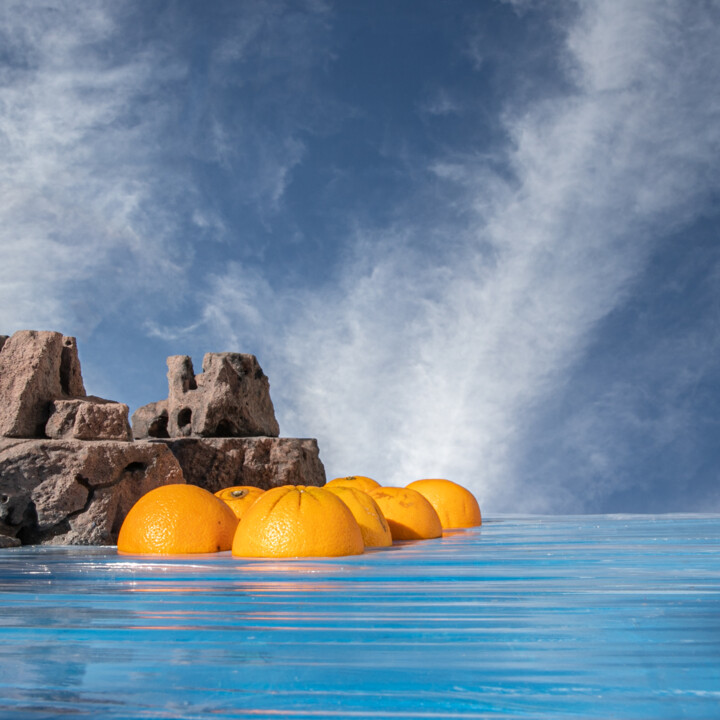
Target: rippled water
527,617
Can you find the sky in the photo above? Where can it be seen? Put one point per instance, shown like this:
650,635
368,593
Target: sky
472,239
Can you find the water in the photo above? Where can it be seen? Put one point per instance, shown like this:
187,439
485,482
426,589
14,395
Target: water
526,617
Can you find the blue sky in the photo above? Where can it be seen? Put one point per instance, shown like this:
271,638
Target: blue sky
466,239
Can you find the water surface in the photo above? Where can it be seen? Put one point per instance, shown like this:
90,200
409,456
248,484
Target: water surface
526,617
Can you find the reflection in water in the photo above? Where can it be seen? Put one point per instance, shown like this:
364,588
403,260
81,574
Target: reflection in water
591,617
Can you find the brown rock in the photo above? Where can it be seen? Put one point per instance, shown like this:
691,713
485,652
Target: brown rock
151,421
67,492
265,462
89,418
7,541
35,369
230,398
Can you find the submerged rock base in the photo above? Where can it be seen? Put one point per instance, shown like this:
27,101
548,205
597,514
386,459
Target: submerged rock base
76,492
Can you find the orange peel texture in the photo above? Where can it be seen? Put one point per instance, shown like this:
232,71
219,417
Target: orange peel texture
455,505
373,525
359,482
239,497
409,515
298,521
177,519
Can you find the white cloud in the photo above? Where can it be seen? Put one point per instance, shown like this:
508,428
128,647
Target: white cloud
418,366
237,305
72,232
269,55
101,118
441,103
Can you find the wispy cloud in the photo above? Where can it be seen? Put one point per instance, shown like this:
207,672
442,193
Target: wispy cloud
73,232
425,364
105,115
257,95
441,103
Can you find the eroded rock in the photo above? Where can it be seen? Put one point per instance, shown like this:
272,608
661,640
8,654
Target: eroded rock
151,421
230,398
89,418
265,462
74,492
36,367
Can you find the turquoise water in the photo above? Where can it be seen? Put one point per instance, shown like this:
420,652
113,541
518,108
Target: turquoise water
526,617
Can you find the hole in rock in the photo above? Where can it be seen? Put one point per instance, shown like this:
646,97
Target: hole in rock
135,467
28,533
66,366
158,427
184,417
225,428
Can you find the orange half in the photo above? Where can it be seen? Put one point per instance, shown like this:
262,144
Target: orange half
239,497
409,515
455,505
298,521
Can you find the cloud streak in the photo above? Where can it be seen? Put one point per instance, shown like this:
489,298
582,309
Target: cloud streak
414,367
69,112
102,127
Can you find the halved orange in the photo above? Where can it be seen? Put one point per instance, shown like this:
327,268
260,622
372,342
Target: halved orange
372,522
356,481
177,519
455,505
239,497
409,515
297,521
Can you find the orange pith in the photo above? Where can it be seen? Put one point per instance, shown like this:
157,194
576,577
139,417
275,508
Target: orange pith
297,521
355,481
239,497
455,505
409,515
372,522
177,519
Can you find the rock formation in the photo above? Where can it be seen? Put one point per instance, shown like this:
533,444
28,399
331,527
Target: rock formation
35,369
70,469
230,398
151,421
221,426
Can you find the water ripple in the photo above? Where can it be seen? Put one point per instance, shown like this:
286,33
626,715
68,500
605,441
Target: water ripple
527,617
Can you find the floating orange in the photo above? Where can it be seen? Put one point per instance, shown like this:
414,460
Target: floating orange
177,519
355,481
297,521
455,505
239,497
372,522
409,515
